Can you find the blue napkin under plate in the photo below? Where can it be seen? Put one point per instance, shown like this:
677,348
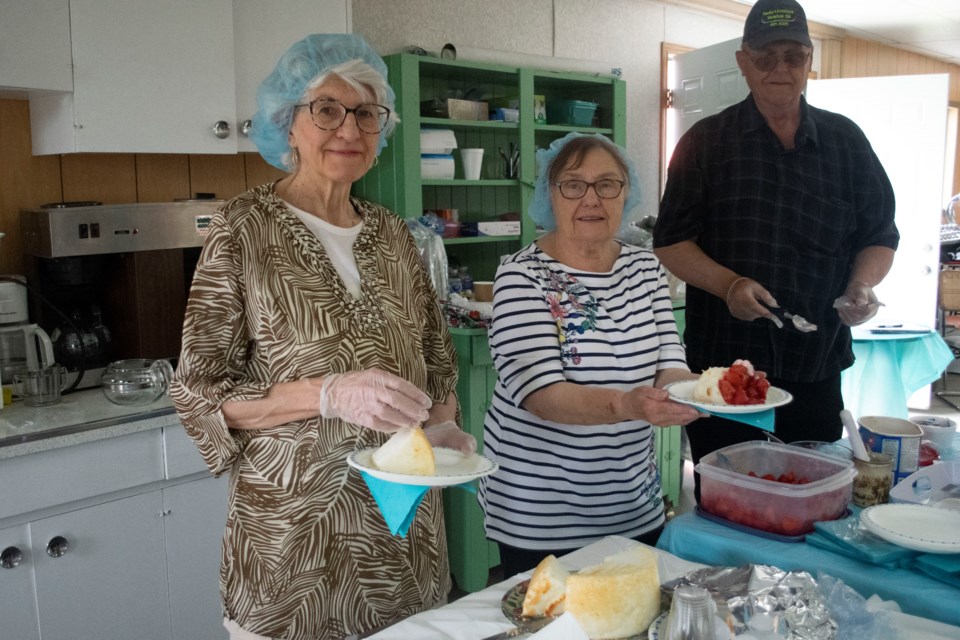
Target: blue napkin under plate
398,502
945,567
847,537
761,419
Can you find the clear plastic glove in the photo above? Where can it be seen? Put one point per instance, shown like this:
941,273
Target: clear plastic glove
374,399
448,434
748,300
857,304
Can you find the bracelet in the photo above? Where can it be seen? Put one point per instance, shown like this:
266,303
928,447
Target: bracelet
726,298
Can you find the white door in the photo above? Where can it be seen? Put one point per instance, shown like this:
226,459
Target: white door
905,119
706,81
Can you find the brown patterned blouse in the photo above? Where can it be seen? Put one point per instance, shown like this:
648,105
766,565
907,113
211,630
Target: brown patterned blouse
306,553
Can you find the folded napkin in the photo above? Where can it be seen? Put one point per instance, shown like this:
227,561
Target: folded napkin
943,567
398,502
847,537
565,627
761,419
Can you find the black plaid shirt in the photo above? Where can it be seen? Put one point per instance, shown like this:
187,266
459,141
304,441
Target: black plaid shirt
791,220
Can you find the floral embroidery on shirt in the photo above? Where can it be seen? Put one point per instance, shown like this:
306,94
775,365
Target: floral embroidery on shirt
573,308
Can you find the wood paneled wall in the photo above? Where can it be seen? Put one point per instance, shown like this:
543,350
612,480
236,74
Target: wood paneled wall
855,58
27,181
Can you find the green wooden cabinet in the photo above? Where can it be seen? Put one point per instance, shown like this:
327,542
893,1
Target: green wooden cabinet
471,554
397,182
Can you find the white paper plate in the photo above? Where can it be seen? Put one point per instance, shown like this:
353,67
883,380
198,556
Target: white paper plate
914,526
683,392
452,468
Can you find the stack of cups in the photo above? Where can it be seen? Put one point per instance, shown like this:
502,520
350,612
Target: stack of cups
692,615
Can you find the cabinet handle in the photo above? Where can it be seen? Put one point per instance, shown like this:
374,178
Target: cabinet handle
57,546
10,558
246,127
221,129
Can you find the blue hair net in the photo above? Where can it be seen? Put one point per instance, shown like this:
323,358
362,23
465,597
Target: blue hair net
541,208
286,84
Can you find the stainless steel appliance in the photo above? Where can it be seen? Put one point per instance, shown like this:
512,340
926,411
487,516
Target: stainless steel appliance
112,280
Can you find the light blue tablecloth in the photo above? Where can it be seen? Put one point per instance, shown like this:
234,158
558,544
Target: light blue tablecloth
888,369
699,540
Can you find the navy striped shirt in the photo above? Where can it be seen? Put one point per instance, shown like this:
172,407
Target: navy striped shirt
561,485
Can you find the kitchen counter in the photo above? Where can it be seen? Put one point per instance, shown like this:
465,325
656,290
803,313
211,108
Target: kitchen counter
82,416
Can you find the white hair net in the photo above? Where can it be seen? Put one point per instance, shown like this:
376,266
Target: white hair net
297,68
541,208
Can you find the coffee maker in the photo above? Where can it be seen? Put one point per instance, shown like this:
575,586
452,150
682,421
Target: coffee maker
23,346
113,280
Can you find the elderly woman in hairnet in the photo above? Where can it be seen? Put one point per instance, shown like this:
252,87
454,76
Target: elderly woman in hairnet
313,331
583,339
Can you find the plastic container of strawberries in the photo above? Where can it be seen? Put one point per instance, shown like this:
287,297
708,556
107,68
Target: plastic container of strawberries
806,486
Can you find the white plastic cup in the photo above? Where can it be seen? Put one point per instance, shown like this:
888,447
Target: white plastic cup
472,163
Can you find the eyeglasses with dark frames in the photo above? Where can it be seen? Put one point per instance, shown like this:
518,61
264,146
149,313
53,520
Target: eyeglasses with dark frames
576,189
768,61
330,114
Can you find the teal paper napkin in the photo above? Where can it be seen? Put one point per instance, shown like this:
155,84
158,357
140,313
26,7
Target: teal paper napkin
762,419
943,567
398,502
847,537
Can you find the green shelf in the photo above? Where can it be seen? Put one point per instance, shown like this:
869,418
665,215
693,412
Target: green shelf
469,124
479,239
461,182
567,128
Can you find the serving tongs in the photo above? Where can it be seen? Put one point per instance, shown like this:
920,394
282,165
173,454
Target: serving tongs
799,323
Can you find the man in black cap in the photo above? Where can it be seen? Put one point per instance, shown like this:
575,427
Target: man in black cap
775,201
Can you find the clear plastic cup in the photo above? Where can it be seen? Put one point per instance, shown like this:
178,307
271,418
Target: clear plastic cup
692,615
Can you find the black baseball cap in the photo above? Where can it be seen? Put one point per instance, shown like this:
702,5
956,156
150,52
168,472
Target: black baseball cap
772,20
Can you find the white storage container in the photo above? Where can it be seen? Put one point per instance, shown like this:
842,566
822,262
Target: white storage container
437,141
436,166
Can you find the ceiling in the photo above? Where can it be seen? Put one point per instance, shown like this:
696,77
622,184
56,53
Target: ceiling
927,27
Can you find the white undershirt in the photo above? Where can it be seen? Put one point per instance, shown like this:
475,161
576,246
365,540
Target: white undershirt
338,243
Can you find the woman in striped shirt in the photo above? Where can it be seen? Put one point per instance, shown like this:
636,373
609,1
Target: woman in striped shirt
583,339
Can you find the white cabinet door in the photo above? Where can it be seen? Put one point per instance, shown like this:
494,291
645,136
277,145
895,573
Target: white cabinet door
148,77
193,527
263,31
110,581
35,45
17,596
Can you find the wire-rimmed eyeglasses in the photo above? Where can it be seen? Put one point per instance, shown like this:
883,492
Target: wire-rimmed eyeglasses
330,114
769,61
576,189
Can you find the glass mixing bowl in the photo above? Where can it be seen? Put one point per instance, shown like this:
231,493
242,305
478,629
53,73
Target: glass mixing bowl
136,381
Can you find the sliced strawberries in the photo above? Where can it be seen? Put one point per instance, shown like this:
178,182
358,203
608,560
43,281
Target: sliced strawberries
739,386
